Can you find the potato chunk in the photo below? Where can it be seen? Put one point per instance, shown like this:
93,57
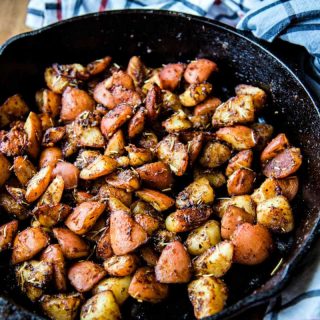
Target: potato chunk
7,234
13,207
275,146
158,200
259,96
23,169
241,182
124,179
195,94
4,169
242,159
214,155
120,266
170,76
177,122
199,70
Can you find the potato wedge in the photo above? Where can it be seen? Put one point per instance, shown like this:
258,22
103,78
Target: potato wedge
115,145
106,191
275,146
50,215
170,76
101,166
199,70
86,157
48,102
195,94
50,157
208,296
214,155
241,182
204,237
13,207
68,172
33,130
84,216
153,102
104,249
187,219
98,66
23,169
137,123
53,135
53,194
4,169
137,70
145,287
28,243
121,266
124,179
215,177
7,234
242,159
72,246
215,261
158,200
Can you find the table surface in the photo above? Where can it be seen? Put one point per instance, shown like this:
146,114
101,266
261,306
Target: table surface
12,22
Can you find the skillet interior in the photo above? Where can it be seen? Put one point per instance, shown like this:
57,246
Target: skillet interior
162,37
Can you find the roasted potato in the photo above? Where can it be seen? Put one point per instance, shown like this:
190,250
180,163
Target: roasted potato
101,166
170,101
158,200
23,169
33,130
104,249
170,76
98,66
115,205
136,123
115,145
149,256
244,202
124,179
199,70
49,215
121,266
162,238
153,102
48,102
49,157
263,133
13,207
259,96
53,135
148,140
68,172
289,186
138,156
195,94
137,70
177,122
275,146
242,159
106,191
215,177
53,194
194,143
214,155
46,121
241,182
4,169
7,234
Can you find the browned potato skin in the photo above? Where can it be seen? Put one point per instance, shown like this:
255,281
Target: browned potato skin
23,169
104,249
126,179
148,140
289,186
239,137
199,70
149,256
174,264
147,220
161,238
252,244
145,287
50,157
233,218
115,145
115,118
275,146
263,133
49,215
28,243
214,154
74,102
4,169
195,94
153,102
106,191
102,95
138,156
98,66
136,70
53,135
68,172
158,200
207,107
194,142
84,216
188,219
7,234
170,76
156,175
121,266
126,235
84,275
242,159
48,102
137,123
215,177
13,207
33,129
54,255
46,121
259,97
284,164
72,246
115,205
241,182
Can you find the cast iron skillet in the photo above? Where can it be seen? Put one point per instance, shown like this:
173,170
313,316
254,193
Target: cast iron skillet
162,37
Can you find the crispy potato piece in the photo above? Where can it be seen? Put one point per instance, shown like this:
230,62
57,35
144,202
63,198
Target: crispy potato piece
33,130
125,179
177,122
68,172
126,235
242,159
276,214
137,70
56,82
270,188
38,184
86,157
102,306
194,142
236,110
233,218
158,200
74,71
115,145
214,155
137,123
174,153
28,243
118,286
195,94
170,76
98,66
174,264
54,255
148,140
121,266
207,107
239,137
284,164
23,169
17,194
199,70
152,79
208,296
46,121
103,95
145,287
106,191
153,102
156,175
170,101
13,108
14,142
149,256
4,169
82,196
116,205
241,182
7,234
104,249
84,275
74,102
50,157
289,186
187,219
216,178
72,246
203,238
53,194
13,207
162,238
61,306
101,166
243,202
197,193
84,216
138,156
215,261
48,102
115,118
252,244
259,97
263,133
275,146
50,215
33,277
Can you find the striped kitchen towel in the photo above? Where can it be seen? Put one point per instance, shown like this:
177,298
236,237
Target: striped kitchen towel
295,21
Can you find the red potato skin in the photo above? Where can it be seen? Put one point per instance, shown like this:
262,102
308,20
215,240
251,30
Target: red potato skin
170,76
153,101
102,95
74,102
136,123
174,264
199,70
125,234
207,107
104,249
50,157
7,234
275,146
115,118
28,243
84,275
68,172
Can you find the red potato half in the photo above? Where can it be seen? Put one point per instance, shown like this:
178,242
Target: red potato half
199,70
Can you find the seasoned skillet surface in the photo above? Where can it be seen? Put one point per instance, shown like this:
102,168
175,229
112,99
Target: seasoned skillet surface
160,37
